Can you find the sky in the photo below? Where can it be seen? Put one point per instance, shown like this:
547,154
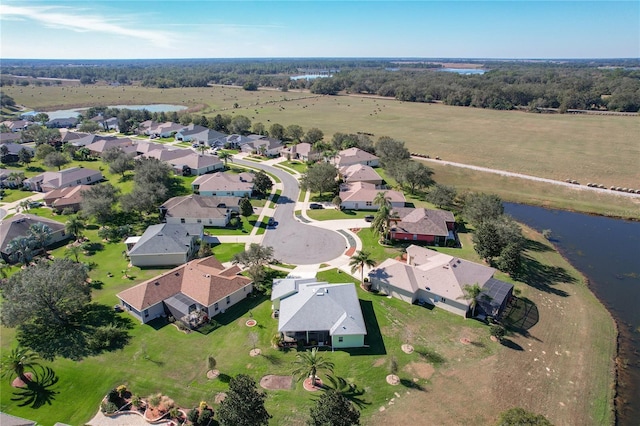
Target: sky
141,29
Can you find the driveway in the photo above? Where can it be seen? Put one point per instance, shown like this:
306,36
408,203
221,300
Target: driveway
294,242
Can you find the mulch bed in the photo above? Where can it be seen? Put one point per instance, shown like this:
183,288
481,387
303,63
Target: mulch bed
309,387
274,382
350,251
19,383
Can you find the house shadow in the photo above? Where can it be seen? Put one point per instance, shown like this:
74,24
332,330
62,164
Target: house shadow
373,339
38,391
240,309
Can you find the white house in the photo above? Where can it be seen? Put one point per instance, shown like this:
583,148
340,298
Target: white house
360,196
73,176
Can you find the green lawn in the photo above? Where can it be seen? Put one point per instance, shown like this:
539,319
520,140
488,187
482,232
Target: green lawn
225,252
11,195
333,214
247,225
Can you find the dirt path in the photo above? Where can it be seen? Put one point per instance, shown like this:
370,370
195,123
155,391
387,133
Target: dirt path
529,177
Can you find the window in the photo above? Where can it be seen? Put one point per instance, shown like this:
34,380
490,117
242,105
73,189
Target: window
215,306
340,339
443,300
369,203
146,313
182,220
88,178
78,181
210,221
199,220
228,299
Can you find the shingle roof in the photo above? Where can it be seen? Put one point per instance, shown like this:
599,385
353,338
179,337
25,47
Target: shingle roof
65,196
18,226
204,280
166,238
353,155
359,173
196,161
322,306
197,206
220,181
63,177
164,154
422,221
364,191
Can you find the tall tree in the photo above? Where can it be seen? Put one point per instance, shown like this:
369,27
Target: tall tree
479,207
74,226
225,156
99,201
256,255
262,183
308,364
122,164
41,234
313,135
276,131
24,156
49,292
246,209
294,132
56,159
417,175
359,261
390,150
332,408
240,125
442,195
319,177
244,404
20,249
473,294
43,150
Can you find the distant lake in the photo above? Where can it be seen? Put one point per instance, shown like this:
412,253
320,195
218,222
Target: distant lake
309,76
66,113
464,71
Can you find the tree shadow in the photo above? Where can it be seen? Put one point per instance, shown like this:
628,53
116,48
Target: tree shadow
126,178
430,356
38,391
272,359
35,169
349,390
224,378
511,345
543,277
411,385
532,245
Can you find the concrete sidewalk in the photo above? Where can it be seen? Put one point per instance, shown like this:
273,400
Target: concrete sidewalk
13,207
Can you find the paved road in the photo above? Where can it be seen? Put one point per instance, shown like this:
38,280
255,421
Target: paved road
294,242
529,177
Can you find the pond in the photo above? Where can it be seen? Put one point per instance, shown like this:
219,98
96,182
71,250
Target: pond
607,252
66,113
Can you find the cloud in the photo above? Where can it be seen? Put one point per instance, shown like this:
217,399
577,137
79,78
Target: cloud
70,19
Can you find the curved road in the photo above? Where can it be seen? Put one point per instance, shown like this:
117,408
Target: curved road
294,242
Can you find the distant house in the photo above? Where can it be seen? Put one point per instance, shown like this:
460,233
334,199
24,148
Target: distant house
360,173
348,157
106,123
143,147
360,196
165,130
430,226
439,279
233,141
17,125
6,181
221,184
166,244
74,176
70,136
318,313
18,226
13,151
13,137
167,154
268,147
303,151
194,164
62,123
199,133
102,144
65,198
191,293
208,211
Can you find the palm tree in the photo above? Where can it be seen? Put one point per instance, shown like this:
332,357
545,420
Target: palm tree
359,261
381,200
20,249
23,205
225,156
472,293
41,234
380,224
17,361
16,178
74,226
309,364
73,250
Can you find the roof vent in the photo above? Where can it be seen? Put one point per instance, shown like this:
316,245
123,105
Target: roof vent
177,274
157,283
207,275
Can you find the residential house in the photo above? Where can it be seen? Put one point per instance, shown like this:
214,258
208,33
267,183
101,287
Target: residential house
143,147
85,139
191,293
13,151
9,181
104,143
199,133
17,125
221,184
73,176
65,198
70,136
146,126
165,130
268,147
62,123
13,137
360,196
167,154
430,226
166,244
18,226
318,313
303,151
360,173
234,141
106,123
209,211
194,164
439,279
348,157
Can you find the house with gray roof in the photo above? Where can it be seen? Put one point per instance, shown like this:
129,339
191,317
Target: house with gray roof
318,313
18,226
233,141
221,184
350,156
438,279
10,137
195,164
209,211
303,151
201,134
73,176
268,147
62,123
13,151
166,244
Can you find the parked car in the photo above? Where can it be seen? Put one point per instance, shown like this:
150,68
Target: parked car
271,222
315,206
369,218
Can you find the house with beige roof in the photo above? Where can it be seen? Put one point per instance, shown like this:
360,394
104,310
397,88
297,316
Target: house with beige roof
360,173
191,293
221,184
194,164
65,198
438,279
348,157
360,196
420,224
318,313
103,144
73,176
303,151
209,211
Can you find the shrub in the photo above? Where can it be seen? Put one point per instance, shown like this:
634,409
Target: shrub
393,365
105,337
211,362
193,415
497,331
108,407
121,390
154,400
205,416
203,405
136,401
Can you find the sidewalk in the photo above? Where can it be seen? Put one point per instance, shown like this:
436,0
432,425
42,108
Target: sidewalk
12,207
